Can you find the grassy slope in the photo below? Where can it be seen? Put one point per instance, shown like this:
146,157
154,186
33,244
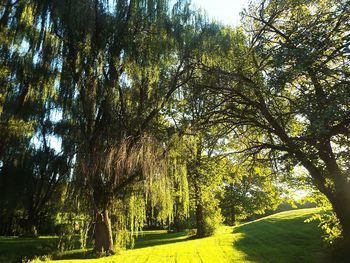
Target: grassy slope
283,237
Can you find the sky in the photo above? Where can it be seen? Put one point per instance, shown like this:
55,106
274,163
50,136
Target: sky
225,11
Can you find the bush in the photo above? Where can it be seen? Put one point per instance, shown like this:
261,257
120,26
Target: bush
212,221
330,225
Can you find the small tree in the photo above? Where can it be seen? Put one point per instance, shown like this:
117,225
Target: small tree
250,189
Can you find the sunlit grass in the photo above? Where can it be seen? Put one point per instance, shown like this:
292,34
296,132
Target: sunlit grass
279,238
213,249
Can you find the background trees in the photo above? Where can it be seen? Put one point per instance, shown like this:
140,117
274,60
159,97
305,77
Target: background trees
249,190
30,175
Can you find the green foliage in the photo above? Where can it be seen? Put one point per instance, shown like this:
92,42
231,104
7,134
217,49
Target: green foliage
250,188
212,217
73,230
210,174
327,220
330,225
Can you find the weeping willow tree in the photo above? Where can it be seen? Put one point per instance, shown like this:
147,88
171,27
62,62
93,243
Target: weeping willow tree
120,182
123,83
103,71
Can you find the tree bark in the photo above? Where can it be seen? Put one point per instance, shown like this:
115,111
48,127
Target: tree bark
233,216
342,211
103,234
199,213
341,206
29,225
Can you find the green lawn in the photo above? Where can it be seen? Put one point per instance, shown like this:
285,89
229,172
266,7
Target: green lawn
282,237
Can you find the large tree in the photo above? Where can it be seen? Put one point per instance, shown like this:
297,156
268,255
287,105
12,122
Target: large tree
284,87
110,68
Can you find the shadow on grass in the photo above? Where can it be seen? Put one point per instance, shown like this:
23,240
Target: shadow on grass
146,239
14,249
281,240
75,254
155,238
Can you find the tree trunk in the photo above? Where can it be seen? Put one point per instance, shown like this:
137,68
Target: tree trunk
342,210
29,226
200,220
199,213
339,198
341,206
233,217
103,234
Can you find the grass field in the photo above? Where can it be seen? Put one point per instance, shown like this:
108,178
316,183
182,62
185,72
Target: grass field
279,238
